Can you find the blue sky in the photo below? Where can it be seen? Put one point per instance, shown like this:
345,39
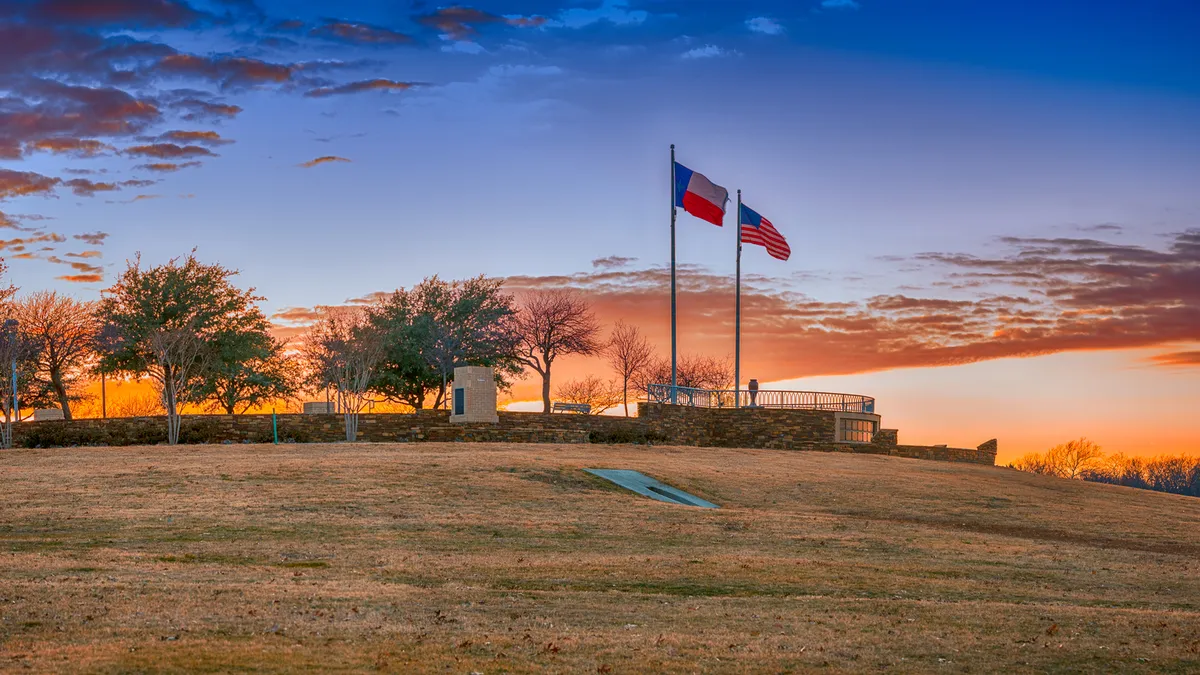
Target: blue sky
919,148
915,125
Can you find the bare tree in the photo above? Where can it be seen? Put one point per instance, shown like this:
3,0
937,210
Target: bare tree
552,324
138,405
1073,457
600,394
1034,462
17,358
64,330
343,349
629,353
693,370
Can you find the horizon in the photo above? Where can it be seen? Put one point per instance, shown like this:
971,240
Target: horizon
992,212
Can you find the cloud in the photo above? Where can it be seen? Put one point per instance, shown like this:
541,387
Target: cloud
765,25
508,70
79,147
210,138
322,160
840,4
1101,227
363,85
81,278
358,33
1187,358
93,238
86,254
708,52
461,23
82,267
22,183
167,167
169,151
453,46
22,242
86,188
200,110
616,12
612,262
126,13
228,71
1066,295
45,111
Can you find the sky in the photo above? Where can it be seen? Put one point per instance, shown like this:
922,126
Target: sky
992,206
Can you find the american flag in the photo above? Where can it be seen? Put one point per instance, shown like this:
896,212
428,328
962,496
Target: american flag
759,230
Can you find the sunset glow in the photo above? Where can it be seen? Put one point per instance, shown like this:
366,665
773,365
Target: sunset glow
992,211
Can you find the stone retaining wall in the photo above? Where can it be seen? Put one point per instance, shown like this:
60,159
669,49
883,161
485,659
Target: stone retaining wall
656,423
813,430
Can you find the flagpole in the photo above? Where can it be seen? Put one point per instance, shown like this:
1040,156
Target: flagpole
737,316
674,373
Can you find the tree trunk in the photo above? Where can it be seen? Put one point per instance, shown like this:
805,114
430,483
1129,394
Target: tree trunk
442,395
351,426
546,389
172,407
625,394
60,392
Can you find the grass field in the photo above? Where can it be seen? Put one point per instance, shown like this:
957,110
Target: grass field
505,558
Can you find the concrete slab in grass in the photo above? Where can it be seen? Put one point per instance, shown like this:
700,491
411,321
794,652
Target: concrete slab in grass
644,485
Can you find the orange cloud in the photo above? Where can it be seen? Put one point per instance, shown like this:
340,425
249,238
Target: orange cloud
166,167
80,147
227,70
22,183
378,84
169,151
322,160
82,278
358,33
1187,358
1050,297
86,188
460,23
202,137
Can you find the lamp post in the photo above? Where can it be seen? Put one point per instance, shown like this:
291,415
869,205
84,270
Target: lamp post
10,327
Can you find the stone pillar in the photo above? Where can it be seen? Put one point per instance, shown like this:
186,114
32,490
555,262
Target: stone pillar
473,396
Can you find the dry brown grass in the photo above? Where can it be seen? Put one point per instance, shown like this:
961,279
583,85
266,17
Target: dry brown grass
495,558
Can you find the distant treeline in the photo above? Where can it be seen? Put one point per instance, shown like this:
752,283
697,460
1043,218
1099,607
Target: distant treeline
1083,459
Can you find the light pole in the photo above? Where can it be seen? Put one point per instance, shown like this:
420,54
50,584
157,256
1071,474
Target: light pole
10,327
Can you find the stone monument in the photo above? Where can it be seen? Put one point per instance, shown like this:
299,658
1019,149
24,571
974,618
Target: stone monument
473,396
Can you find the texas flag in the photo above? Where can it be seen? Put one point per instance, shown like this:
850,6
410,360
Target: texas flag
699,196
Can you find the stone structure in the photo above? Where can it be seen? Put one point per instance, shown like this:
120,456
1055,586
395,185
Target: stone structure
45,414
320,407
657,423
790,429
474,396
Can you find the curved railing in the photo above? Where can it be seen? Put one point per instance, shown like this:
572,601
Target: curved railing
763,398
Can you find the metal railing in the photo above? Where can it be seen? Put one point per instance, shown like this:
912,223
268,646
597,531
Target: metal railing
763,398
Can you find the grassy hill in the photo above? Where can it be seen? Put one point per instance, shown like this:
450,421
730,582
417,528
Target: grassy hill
507,558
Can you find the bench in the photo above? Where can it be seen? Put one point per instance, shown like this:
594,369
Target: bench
581,408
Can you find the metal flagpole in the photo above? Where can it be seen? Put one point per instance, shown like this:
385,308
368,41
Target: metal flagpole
737,316
674,354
